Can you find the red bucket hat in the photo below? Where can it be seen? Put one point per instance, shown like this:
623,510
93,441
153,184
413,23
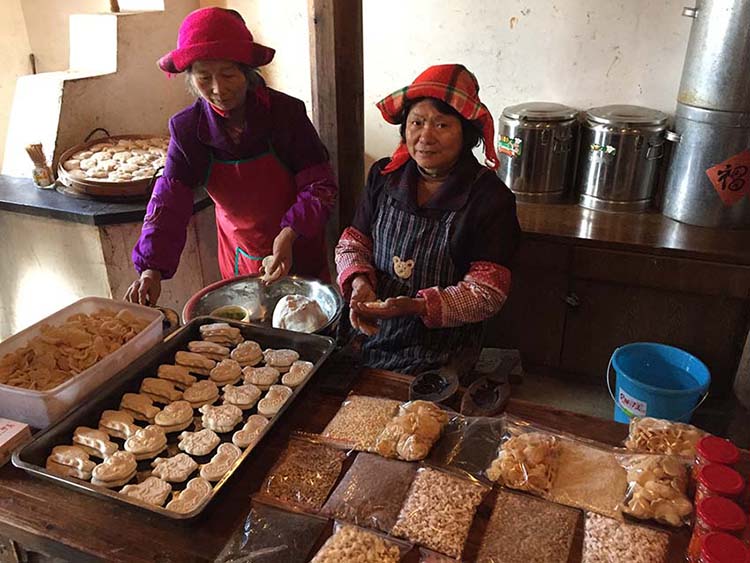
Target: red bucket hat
456,86
214,33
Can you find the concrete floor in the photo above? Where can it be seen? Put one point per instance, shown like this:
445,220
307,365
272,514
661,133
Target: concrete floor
576,396
723,417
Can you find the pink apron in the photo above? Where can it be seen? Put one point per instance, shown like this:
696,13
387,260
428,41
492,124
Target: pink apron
252,196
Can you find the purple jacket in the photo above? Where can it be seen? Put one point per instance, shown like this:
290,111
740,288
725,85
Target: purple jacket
274,120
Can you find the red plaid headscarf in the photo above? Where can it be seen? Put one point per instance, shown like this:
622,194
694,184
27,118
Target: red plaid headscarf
456,86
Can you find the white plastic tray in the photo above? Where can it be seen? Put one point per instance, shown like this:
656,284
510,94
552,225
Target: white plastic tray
39,409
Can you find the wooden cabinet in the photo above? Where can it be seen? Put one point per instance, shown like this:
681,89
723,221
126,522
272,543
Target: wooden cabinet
533,319
575,300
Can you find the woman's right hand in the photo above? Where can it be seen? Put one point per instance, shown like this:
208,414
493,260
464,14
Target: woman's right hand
146,289
362,292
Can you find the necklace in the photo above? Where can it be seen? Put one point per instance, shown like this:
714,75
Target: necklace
434,176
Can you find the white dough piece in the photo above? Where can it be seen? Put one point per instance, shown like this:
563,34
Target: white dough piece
298,313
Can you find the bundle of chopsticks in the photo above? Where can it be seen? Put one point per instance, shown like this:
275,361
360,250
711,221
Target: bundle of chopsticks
36,154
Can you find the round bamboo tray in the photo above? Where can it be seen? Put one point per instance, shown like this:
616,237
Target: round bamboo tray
99,189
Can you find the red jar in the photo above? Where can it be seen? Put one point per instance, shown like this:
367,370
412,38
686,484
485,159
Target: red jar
712,449
718,480
714,514
723,548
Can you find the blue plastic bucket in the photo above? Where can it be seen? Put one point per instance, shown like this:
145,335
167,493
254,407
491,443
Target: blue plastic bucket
656,380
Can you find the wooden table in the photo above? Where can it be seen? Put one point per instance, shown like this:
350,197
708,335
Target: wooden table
51,519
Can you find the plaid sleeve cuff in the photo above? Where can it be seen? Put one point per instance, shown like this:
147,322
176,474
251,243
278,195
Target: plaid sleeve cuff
433,317
479,296
353,257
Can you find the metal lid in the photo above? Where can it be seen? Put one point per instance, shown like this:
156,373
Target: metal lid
624,115
540,111
721,514
718,547
721,479
717,450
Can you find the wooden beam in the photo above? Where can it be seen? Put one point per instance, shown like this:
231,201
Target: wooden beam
336,68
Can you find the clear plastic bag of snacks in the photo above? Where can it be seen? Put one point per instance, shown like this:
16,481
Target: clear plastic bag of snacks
304,473
272,535
439,510
413,431
658,436
372,492
523,528
360,420
606,540
351,544
657,489
526,459
588,477
468,444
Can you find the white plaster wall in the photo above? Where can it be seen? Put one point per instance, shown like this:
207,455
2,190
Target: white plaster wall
283,26
138,98
47,25
580,52
14,44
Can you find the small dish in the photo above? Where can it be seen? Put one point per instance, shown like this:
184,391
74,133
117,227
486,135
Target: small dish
232,312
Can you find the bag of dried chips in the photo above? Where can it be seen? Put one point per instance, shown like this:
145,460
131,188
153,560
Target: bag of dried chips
658,436
526,460
657,486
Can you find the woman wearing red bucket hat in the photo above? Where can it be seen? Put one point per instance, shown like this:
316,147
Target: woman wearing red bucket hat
253,148
426,258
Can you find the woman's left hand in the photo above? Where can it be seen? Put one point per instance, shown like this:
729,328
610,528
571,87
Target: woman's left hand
391,308
282,256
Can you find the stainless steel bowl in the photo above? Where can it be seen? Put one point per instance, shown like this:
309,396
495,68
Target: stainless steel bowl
260,300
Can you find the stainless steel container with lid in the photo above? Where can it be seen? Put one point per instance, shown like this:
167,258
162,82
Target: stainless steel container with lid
536,147
620,152
709,172
717,62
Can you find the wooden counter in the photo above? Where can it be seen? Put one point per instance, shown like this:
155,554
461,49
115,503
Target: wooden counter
57,249
649,232
51,519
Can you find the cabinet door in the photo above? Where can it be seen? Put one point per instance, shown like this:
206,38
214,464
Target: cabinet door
533,318
622,302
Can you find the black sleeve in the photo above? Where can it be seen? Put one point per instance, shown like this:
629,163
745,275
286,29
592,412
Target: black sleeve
369,199
497,233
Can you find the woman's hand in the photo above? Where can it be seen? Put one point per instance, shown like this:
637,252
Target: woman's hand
391,308
146,289
362,291
282,256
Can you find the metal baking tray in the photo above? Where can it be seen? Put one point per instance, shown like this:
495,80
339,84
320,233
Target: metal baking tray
32,457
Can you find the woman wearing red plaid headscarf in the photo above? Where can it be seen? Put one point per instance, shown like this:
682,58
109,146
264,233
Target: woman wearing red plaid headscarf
425,261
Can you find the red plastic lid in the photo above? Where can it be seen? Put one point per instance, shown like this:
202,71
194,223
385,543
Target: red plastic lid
718,450
720,513
721,479
718,547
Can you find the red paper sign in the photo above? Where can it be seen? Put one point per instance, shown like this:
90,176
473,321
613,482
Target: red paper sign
731,178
